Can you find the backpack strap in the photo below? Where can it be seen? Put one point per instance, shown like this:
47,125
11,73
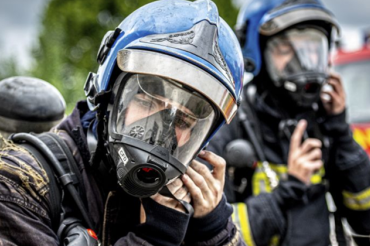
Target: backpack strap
62,152
249,122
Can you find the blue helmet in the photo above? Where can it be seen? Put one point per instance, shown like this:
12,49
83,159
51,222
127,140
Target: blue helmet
179,64
268,17
176,24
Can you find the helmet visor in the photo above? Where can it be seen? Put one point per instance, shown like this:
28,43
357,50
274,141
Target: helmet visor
161,112
296,52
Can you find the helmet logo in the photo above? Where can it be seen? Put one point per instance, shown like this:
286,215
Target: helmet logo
221,61
178,38
198,37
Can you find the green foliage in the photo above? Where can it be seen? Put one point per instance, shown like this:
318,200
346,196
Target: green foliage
8,68
71,36
227,11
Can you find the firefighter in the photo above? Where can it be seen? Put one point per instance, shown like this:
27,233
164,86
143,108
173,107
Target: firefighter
294,170
169,77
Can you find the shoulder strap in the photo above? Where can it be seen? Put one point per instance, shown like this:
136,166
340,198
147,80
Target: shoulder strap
66,159
249,122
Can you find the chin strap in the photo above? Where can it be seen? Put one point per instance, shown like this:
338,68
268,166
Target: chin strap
188,207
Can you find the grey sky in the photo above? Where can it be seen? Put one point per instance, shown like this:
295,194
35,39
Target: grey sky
353,16
352,13
20,23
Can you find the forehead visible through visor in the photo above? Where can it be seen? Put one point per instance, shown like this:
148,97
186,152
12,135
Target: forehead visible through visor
154,63
166,89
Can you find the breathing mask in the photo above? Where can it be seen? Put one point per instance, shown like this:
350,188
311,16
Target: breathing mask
156,127
169,76
297,62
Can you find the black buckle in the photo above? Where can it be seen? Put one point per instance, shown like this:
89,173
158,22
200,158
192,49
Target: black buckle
108,43
89,87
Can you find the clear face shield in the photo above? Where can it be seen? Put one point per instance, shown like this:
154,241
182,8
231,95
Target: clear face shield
297,60
157,126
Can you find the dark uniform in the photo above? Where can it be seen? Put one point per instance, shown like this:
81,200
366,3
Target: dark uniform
293,213
286,46
169,77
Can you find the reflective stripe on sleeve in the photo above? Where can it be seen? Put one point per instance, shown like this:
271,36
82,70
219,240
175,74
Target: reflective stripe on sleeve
261,183
357,201
240,218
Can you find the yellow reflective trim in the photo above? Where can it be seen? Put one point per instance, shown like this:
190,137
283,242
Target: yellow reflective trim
233,214
243,221
279,168
357,201
317,177
261,184
357,206
274,240
358,196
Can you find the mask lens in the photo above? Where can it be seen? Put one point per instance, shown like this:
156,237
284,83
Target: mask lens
162,113
296,51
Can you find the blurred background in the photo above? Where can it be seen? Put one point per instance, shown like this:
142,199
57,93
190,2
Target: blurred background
57,40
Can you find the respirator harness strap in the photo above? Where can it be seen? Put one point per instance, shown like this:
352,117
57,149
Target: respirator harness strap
188,207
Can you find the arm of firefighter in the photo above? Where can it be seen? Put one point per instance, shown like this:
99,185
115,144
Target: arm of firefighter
351,168
201,231
350,165
262,219
163,225
24,213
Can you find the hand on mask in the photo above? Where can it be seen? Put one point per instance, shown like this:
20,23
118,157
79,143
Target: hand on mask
178,189
304,158
205,187
337,102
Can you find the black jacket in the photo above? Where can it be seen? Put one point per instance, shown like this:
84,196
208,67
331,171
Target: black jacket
293,213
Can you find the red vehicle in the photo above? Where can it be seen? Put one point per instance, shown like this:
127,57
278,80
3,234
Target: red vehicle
354,67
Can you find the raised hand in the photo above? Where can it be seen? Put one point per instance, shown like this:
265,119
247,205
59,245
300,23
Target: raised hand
304,158
334,100
205,186
178,189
